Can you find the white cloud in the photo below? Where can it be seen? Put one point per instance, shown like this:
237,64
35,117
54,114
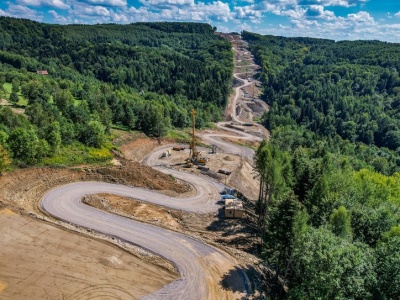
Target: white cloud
4,13
345,3
304,24
216,12
318,12
361,17
60,4
59,19
95,11
109,3
21,11
247,12
397,14
167,3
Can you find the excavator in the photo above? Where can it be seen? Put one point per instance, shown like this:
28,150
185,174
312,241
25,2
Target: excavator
195,157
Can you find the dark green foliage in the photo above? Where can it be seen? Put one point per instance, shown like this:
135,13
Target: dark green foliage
14,97
388,268
167,58
144,76
26,146
334,111
327,267
345,89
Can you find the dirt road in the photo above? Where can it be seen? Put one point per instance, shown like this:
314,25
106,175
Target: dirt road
198,264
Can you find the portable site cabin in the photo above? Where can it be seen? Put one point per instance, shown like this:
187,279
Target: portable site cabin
233,208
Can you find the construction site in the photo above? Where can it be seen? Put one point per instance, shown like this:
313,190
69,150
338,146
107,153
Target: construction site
196,198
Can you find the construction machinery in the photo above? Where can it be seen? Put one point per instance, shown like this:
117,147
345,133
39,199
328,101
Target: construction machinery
195,157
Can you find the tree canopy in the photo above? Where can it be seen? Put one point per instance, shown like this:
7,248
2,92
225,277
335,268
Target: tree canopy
330,209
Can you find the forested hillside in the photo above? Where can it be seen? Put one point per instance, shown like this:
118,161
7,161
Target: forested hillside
329,204
143,76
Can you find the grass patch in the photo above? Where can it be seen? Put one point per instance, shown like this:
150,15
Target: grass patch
22,101
180,136
76,154
7,86
120,127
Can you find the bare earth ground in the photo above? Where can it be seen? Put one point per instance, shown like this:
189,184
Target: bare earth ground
78,267
42,261
4,102
237,237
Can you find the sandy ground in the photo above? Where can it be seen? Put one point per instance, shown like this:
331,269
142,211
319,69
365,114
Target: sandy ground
41,261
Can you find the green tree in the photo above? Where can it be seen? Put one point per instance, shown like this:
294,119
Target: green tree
63,99
54,136
14,97
93,134
388,268
328,267
275,173
340,223
24,144
35,91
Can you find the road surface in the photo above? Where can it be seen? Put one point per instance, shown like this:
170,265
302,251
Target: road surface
200,266
195,261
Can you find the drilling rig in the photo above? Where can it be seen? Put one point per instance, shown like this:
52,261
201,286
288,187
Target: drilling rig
194,156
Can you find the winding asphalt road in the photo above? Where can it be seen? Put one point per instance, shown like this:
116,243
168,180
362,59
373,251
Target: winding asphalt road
195,261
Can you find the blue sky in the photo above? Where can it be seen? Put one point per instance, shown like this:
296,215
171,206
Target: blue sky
332,19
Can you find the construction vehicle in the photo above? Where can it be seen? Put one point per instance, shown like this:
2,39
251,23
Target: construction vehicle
178,148
195,157
166,154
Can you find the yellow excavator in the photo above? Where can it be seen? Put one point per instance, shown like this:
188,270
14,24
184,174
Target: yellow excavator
194,156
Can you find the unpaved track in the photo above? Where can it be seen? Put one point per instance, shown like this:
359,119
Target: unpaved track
196,262
242,135
200,266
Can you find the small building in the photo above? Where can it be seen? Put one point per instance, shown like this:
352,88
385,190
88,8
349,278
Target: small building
42,72
233,208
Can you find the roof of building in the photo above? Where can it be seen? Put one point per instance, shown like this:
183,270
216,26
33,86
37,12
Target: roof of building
42,72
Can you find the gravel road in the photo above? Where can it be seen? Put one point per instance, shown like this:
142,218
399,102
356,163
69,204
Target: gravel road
195,261
200,266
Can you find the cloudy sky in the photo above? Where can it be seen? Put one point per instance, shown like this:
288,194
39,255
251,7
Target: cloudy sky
333,19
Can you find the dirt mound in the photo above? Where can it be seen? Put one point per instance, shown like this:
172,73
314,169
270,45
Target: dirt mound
137,148
136,209
136,174
24,188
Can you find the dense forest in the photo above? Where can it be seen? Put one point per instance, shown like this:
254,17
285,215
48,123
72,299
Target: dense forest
329,203
142,76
